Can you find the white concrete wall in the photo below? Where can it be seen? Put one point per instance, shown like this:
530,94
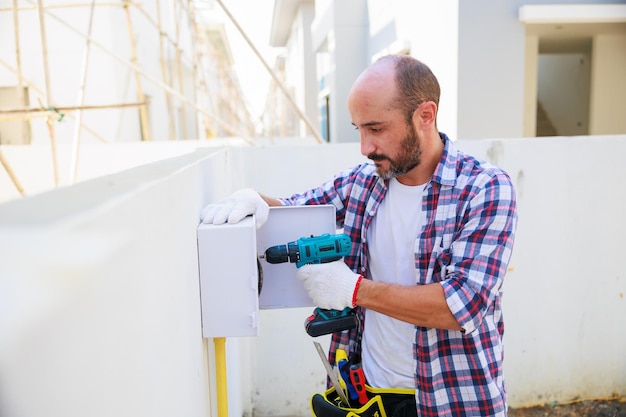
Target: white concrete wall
98,284
33,167
100,296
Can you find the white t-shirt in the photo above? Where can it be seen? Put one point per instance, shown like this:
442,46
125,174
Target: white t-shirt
387,347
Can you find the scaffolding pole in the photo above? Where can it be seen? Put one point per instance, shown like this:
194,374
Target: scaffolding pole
143,110
179,67
12,176
81,101
198,74
48,97
165,74
57,111
198,64
56,6
18,60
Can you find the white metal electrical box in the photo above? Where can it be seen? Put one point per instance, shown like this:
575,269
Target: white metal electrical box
229,294
231,268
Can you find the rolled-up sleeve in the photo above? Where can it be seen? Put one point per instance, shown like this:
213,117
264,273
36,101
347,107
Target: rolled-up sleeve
481,253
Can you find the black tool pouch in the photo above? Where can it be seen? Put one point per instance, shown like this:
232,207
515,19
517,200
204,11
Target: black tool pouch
381,403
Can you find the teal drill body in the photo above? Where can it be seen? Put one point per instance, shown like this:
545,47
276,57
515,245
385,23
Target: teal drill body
311,250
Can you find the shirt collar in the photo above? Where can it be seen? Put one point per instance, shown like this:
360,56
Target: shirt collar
445,172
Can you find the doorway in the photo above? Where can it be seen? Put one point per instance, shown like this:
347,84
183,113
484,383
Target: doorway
563,87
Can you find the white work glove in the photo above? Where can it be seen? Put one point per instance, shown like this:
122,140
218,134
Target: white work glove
331,285
235,207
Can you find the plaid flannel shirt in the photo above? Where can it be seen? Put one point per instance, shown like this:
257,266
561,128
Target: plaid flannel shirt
469,221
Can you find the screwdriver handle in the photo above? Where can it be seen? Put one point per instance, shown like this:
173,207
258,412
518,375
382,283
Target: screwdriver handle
358,382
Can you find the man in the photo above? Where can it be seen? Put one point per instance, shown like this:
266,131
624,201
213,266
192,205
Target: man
433,231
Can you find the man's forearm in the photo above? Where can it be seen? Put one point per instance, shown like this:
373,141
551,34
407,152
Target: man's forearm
422,305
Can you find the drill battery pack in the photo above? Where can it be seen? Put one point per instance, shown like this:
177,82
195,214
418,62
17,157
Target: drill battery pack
324,321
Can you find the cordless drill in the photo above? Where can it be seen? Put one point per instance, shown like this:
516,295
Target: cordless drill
317,250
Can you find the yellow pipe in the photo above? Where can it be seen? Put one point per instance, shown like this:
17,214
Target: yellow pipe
220,376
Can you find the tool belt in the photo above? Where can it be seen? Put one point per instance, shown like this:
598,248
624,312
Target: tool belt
381,402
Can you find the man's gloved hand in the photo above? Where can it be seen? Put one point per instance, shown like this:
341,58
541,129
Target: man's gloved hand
331,285
235,207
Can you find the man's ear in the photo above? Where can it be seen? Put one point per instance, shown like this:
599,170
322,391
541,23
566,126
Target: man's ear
425,114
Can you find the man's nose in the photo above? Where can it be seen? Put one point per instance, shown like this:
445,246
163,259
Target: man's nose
367,146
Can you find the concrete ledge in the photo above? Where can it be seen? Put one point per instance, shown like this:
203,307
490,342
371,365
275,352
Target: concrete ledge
579,13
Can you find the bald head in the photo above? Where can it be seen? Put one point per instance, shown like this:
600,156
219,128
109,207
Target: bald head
374,89
403,80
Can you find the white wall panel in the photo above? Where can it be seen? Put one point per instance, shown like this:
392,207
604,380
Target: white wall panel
99,283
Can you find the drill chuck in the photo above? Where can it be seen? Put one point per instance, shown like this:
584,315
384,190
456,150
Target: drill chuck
282,253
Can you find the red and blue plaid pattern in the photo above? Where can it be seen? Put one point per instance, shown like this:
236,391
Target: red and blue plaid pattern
466,245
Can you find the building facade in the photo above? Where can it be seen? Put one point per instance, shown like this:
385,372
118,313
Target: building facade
507,69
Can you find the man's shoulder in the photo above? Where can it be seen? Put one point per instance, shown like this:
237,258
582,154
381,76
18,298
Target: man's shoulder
469,168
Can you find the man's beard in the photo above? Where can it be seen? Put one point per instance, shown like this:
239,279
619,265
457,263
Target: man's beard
408,158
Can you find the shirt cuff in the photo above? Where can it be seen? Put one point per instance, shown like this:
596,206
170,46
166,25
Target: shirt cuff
458,306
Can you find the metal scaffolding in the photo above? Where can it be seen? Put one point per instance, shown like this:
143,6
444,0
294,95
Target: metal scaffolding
184,47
